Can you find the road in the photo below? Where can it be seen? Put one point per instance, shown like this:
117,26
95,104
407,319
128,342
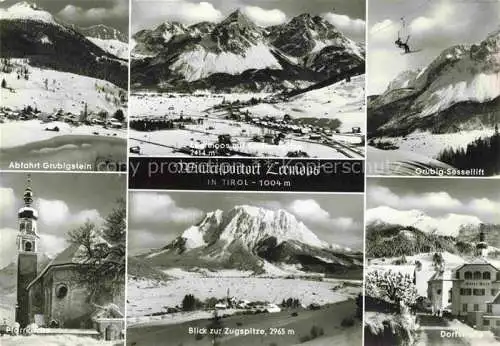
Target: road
430,334
295,328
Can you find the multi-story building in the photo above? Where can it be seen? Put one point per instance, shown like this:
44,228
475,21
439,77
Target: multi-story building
476,285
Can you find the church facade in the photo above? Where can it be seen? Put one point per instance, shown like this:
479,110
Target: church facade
55,296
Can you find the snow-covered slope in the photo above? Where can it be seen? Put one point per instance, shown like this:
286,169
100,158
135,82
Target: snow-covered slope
28,31
115,47
200,63
448,225
50,90
458,90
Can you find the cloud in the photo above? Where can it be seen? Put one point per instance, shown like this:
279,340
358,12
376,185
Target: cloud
434,202
310,211
8,249
354,28
264,17
154,207
173,10
51,244
7,201
55,213
76,14
382,195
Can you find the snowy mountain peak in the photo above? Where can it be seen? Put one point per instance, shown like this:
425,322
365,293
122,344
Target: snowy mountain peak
103,32
249,225
26,11
447,225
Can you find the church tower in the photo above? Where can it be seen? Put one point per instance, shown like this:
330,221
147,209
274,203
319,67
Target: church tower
482,245
27,254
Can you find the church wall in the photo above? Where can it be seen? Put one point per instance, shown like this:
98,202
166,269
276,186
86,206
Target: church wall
74,308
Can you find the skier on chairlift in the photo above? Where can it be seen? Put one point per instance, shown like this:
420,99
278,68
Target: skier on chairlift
399,42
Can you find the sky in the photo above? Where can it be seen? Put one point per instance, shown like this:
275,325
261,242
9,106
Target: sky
348,16
335,218
114,13
437,197
433,25
64,201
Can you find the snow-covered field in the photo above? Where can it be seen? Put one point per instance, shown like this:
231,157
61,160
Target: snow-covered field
343,101
53,340
147,296
150,105
451,262
198,136
50,90
115,47
18,133
430,145
398,162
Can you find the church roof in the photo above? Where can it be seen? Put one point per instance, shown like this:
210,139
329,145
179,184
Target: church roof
69,256
477,261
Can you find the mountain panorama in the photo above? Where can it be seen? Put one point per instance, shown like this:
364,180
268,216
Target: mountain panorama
29,32
255,239
238,54
463,80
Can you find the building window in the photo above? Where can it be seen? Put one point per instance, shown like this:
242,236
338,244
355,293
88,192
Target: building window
486,322
465,292
486,276
498,276
464,307
438,291
61,291
28,247
479,292
477,275
476,307
457,275
468,275
489,308
498,323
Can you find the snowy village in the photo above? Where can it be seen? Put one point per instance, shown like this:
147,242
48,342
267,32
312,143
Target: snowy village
63,89
239,87
244,268
432,277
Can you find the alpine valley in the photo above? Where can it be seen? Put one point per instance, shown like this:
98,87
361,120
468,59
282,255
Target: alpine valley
294,89
444,115
60,81
241,262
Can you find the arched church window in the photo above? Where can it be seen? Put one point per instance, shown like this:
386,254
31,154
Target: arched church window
477,275
28,247
486,276
468,275
28,226
22,226
61,291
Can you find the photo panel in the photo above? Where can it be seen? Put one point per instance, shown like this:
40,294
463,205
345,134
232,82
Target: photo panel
234,268
245,78
432,262
64,76
62,258
433,88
